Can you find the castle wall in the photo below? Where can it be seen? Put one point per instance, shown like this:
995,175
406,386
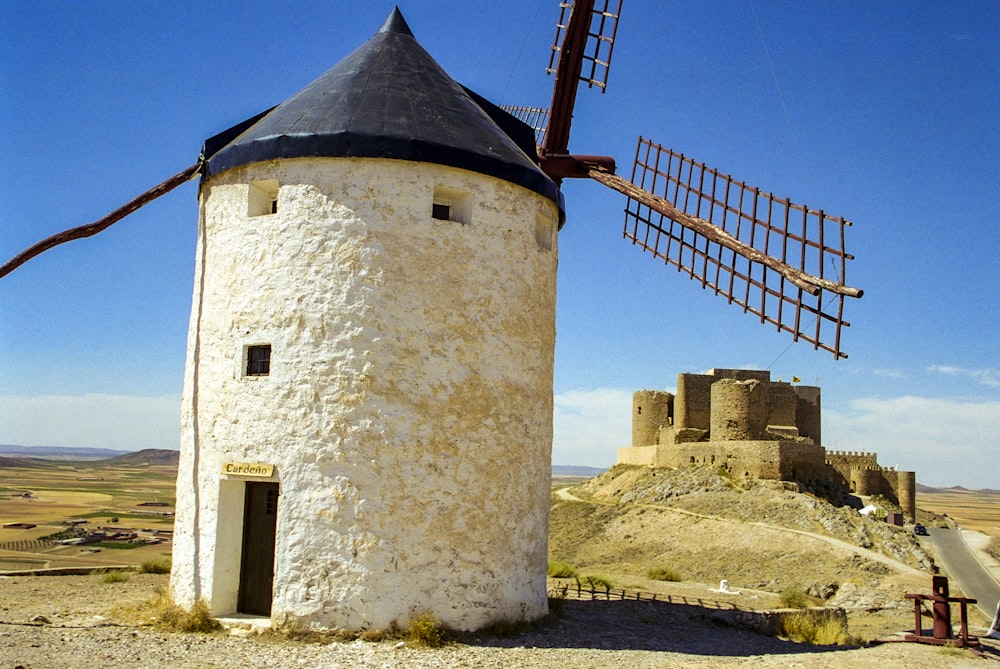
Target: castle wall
782,404
408,409
765,459
846,464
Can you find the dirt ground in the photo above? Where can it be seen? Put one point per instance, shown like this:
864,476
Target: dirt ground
83,621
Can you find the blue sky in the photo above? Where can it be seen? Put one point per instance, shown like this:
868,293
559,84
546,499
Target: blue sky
885,113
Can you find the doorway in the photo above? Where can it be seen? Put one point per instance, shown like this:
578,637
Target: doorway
260,515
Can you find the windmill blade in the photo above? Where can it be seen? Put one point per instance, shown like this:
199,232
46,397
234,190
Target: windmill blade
600,41
764,253
535,117
100,224
584,42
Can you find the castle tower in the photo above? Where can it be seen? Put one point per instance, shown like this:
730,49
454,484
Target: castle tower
738,409
906,493
367,406
651,410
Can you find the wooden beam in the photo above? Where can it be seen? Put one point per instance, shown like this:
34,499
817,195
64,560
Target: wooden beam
100,224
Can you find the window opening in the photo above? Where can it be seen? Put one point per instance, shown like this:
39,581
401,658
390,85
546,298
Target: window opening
545,231
262,199
259,360
451,204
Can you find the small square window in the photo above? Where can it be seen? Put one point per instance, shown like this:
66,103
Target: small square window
262,198
259,360
450,204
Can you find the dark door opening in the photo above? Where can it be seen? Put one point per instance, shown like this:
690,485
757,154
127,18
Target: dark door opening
260,515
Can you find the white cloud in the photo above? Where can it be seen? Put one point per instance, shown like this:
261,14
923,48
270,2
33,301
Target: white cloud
946,441
95,421
590,425
987,377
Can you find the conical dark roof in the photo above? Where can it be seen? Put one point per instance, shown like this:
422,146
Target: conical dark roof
388,99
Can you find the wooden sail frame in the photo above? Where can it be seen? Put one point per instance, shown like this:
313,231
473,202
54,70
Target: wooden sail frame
781,261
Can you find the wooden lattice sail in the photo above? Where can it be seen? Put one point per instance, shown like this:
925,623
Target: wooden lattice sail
783,262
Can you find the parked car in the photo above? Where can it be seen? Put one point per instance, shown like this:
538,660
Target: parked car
920,530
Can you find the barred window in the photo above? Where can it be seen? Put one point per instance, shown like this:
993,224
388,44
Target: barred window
259,360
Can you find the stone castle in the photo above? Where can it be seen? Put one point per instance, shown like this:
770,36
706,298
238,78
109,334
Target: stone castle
742,421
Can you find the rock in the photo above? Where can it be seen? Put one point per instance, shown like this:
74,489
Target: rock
822,591
41,620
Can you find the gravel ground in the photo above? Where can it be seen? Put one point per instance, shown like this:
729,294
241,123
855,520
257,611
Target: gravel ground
53,622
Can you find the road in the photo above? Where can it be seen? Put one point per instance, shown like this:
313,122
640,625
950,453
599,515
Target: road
964,569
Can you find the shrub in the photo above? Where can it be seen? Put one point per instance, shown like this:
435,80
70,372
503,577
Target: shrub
160,565
819,630
115,576
663,573
795,597
425,630
596,582
559,569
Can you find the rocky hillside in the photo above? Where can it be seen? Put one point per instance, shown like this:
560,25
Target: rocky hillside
760,535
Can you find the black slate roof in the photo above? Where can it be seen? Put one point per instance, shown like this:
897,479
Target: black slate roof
388,99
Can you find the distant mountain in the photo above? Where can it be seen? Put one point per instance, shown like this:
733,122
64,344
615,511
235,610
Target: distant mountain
148,456
28,456
930,490
571,470
59,452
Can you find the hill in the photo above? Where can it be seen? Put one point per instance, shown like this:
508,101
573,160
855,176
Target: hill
764,537
148,456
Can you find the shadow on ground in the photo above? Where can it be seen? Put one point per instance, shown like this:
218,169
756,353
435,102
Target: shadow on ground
650,626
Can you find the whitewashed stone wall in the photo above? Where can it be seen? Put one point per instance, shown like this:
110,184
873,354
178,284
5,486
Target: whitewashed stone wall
408,410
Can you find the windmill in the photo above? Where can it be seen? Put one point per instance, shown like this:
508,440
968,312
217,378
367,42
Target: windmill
367,407
780,261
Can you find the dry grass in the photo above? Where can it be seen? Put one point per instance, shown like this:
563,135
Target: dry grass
663,573
115,576
813,628
559,569
168,615
795,597
425,630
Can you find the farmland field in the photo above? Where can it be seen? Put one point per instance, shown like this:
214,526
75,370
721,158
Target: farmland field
125,498
977,510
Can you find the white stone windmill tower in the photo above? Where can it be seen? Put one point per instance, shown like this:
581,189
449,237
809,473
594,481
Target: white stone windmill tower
367,410
368,400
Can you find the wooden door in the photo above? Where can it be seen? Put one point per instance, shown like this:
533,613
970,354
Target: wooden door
260,515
